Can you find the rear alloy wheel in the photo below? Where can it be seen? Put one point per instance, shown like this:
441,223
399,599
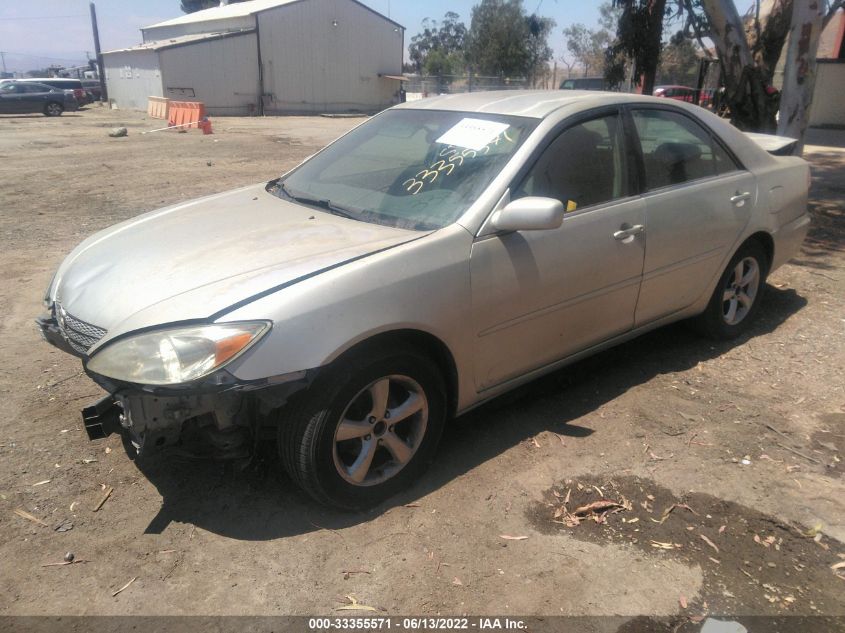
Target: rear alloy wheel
366,429
53,109
736,299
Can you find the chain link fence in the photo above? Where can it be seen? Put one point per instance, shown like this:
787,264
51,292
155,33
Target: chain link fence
421,86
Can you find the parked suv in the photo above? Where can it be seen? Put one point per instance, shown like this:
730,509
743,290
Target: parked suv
61,83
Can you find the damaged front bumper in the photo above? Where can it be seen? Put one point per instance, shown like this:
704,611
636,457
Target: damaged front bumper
219,423
218,416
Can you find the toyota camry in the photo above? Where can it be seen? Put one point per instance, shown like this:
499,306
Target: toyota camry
438,255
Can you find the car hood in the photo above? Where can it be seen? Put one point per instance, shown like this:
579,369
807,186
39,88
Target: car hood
196,259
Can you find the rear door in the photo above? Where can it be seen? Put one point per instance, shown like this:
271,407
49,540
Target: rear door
539,296
34,97
698,200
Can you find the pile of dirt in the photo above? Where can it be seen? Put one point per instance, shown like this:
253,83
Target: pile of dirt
751,563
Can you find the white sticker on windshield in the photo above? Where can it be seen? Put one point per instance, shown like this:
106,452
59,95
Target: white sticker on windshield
473,133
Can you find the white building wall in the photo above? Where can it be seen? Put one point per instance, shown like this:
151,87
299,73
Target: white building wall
131,77
827,108
190,28
222,73
326,55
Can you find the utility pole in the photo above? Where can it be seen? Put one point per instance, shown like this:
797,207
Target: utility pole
100,71
3,57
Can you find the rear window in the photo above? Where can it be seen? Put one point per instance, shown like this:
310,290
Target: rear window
676,149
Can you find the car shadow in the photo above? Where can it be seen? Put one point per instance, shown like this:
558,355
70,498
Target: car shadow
261,503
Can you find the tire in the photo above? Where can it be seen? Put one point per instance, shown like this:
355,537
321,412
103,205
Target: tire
53,109
381,454
736,299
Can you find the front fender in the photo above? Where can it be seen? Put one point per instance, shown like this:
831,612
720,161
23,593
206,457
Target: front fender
422,285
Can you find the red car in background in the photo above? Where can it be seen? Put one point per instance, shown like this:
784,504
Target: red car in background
679,93
685,93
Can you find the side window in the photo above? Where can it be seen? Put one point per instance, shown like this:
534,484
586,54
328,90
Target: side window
676,149
7,89
583,166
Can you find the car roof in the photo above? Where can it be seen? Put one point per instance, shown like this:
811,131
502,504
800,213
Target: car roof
536,104
29,83
47,80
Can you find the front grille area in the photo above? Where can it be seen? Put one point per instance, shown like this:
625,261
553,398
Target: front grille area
79,334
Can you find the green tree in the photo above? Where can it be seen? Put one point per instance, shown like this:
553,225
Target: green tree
444,43
679,61
504,40
190,6
587,46
539,50
639,35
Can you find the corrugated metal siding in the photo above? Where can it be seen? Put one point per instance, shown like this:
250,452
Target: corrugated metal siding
223,74
152,34
131,77
311,65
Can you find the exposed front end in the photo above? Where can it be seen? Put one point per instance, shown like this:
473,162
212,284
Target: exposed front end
196,405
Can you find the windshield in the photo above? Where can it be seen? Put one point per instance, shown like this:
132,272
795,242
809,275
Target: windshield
414,169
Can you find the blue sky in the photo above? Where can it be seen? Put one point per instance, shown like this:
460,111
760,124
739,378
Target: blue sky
39,32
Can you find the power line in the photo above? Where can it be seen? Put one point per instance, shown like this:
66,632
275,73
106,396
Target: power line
46,57
43,17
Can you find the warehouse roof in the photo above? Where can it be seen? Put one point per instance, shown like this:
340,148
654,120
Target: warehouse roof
182,40
239,10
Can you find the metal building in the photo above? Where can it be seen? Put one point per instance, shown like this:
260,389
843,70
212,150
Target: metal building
265,56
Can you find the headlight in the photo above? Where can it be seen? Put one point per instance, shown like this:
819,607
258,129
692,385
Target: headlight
177,355
47,301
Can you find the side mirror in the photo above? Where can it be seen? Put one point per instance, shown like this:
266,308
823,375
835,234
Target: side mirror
529,214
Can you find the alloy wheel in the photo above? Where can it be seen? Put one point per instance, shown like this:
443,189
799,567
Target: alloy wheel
380,430
740,291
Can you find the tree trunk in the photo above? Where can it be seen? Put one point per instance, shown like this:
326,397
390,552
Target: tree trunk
775,20
751,106
799,75
648,66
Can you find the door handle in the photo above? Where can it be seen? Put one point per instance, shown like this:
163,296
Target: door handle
740,197
625,232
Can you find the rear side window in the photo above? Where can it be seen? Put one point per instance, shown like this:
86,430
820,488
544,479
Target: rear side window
676,149
583,166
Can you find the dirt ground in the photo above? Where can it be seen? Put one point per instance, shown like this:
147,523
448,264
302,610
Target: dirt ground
748,436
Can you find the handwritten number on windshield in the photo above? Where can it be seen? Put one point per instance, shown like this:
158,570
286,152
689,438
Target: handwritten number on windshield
455,159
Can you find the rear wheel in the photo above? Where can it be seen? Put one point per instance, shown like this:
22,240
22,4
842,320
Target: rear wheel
737,296
53,109
366,429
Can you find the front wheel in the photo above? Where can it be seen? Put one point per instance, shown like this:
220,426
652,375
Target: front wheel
53,109
367,428
736,299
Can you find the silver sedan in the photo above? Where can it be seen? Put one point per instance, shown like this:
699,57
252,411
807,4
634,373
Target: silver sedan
434,257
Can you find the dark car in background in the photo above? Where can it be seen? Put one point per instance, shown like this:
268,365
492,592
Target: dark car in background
21,97
62,83
583,83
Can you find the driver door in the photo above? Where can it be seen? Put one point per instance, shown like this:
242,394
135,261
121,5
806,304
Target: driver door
540,296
